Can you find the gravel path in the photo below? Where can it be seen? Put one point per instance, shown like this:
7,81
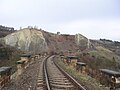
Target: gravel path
27,80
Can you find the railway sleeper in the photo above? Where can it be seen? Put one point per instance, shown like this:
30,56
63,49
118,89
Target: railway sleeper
61,83
65,81
58,78
41,85
68,87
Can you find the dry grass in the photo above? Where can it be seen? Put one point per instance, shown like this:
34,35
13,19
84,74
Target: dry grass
85,80
103,52
105,58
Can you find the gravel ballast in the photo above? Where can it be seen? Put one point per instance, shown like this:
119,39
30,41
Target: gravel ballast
27,80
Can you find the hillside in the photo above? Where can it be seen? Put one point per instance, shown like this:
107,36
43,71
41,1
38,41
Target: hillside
113,46
96,53
60,43
33,40
27,40
106,54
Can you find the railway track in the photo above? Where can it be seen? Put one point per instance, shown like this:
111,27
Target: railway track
52,77
41,77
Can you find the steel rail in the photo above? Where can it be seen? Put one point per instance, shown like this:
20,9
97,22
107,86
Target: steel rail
46,74
69,77
78,85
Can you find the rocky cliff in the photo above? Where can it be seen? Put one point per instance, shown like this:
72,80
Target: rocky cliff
60,42
29,40
35,41
82,42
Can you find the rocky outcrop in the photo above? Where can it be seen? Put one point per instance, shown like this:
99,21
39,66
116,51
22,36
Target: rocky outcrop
35,41
28,39
60,42
82,41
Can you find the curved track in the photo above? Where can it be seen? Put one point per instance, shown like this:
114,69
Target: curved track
52,77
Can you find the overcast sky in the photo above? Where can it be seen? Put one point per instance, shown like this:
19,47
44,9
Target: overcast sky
93,18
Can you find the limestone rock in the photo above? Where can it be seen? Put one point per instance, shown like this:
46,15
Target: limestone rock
30,40
82,41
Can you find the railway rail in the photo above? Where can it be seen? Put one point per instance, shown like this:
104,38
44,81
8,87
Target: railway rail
53,77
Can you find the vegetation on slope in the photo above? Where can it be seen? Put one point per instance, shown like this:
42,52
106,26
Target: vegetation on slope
9,56
105,58
113,46
88,82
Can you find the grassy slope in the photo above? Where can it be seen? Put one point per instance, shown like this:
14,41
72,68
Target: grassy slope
106,58
85,80
104,53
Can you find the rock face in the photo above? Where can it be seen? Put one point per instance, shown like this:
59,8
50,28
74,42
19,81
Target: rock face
29,40
82,41
36,41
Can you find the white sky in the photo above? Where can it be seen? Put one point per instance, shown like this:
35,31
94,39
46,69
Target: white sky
92,18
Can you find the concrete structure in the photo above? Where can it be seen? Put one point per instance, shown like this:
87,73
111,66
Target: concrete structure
81,67
37,57
62,57
71,60
20,67
32,59
5,73
26,58
23,63
110,78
